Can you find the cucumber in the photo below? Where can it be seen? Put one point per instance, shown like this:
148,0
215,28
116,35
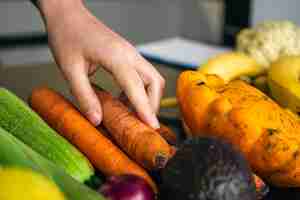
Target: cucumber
14,153
17,118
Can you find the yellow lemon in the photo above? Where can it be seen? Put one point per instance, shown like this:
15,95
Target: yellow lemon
284,82
24,184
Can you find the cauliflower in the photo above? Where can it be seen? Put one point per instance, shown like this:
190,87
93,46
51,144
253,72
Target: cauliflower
270,40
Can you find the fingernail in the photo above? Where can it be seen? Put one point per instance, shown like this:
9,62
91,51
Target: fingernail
154,122
94,117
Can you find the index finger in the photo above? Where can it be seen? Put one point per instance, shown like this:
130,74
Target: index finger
134,88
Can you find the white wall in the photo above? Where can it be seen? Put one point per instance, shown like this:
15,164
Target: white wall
19,16
203,20
276,9
137,20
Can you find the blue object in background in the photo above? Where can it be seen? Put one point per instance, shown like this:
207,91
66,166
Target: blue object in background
179,51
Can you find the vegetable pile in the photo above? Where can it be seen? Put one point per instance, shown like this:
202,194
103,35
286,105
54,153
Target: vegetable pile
66,119
16,154
239,111
18,119
250,97
55,141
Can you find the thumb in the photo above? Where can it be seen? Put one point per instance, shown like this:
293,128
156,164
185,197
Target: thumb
82,90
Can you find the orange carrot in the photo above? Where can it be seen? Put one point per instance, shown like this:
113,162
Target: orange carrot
164,131
104,132
139,141
67,120
167,134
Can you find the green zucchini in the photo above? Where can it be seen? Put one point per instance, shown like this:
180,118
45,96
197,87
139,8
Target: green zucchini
17,118
14,153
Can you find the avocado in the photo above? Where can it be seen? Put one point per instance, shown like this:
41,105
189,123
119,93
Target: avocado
207,169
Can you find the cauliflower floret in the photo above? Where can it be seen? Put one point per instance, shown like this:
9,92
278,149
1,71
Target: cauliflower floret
269,40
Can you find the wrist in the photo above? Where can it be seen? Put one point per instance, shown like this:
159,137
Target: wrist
52,8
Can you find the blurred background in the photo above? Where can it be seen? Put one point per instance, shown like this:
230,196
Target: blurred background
140,21
25,59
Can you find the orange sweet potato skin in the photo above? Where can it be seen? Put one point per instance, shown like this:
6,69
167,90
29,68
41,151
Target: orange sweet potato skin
265,133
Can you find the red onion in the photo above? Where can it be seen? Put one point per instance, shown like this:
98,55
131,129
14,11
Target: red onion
127,187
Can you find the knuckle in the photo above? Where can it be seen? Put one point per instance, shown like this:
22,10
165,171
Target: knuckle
158,81
119,48
121,55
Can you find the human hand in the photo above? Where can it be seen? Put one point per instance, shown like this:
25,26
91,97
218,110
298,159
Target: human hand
80,43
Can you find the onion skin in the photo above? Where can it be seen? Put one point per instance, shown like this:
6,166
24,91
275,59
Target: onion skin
127,187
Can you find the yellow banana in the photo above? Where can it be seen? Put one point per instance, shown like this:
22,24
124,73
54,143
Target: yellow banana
231,65
228,66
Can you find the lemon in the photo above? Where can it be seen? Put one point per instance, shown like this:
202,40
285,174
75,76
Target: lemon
284,82
24,184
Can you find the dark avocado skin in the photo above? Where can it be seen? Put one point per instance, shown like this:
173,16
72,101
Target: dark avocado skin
207,169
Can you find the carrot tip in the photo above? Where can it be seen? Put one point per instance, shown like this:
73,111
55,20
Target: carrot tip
161,161
262,189
262,192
